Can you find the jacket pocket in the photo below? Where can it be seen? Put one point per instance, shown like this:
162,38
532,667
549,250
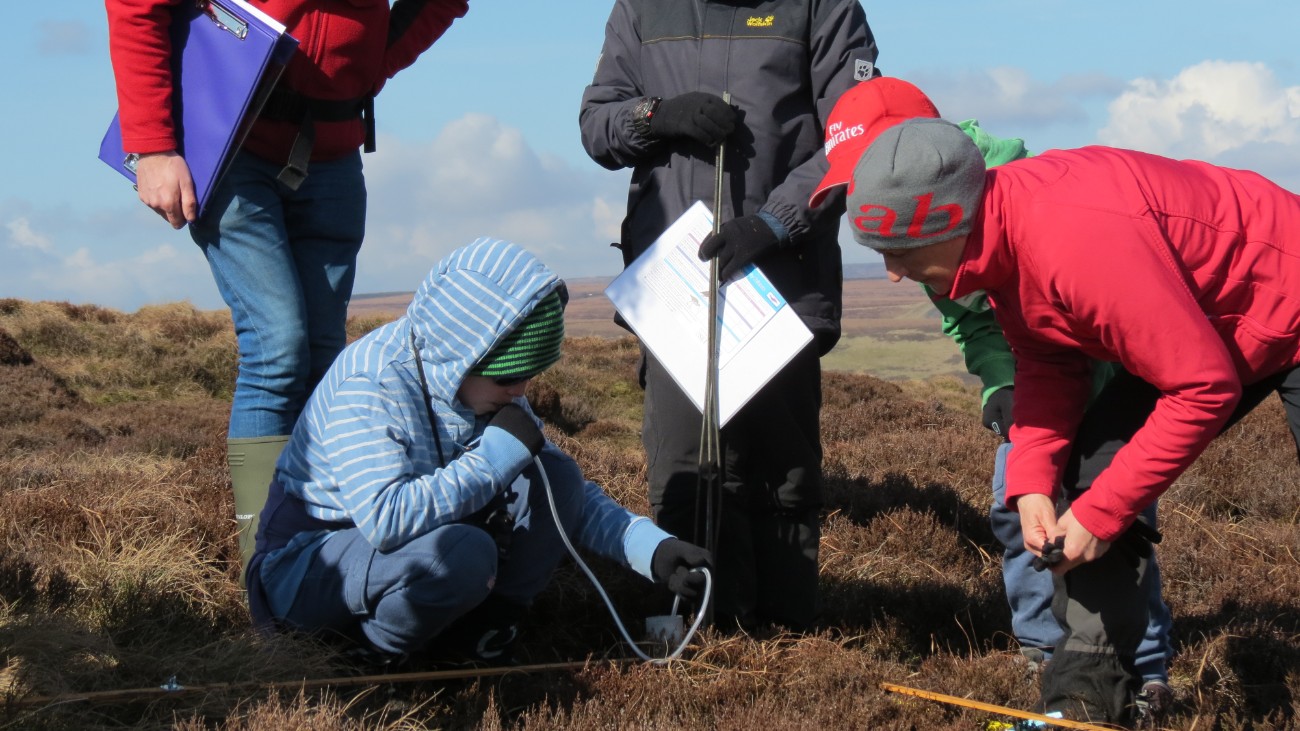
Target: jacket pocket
1257,350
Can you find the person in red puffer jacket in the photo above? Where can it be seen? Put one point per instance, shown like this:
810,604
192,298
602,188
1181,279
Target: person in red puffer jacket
282,229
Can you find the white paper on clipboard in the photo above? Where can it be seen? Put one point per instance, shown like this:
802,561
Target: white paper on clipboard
664,296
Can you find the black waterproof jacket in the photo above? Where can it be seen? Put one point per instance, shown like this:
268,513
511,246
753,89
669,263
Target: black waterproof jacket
784,62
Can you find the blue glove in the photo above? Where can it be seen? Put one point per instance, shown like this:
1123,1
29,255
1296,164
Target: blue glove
738,242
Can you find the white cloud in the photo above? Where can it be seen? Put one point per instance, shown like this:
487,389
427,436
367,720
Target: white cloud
479,177
158,274
1010,102
1205,111
99,258
1235,114
21,234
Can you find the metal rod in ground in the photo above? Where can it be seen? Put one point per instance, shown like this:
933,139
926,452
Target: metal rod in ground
992,708
710,458
124,694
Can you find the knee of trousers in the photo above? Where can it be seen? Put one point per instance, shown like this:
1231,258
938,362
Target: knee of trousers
797,493
417,592
278,362
1104,609
452,569
567,489
1006,526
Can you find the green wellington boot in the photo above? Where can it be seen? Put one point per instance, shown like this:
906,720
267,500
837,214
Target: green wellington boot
252,465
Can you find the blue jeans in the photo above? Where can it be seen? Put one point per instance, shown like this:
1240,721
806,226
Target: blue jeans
398,601
1029,592
284,262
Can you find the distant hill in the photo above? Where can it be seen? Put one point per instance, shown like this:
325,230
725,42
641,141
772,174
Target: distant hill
375,302
889,330
874,270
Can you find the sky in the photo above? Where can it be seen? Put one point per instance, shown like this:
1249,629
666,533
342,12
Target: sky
480,136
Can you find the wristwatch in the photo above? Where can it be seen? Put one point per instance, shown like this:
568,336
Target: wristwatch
643,112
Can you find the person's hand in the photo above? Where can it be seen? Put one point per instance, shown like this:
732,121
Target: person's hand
997,411
517,423
672,563
698,115
164,184
1037,521
1081,546
738,242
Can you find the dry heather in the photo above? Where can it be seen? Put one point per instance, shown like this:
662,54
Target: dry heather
116,562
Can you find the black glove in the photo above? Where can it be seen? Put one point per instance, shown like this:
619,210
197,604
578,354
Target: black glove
738,242
698,115
514,420
672,563
1053,553
997,411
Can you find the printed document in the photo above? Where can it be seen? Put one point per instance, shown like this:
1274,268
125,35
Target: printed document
664,296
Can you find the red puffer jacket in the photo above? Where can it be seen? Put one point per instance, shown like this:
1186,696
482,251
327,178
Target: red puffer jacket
343,54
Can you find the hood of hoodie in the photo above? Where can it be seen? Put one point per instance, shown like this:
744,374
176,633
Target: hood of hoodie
471,300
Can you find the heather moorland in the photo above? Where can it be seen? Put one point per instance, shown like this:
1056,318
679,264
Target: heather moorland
118,575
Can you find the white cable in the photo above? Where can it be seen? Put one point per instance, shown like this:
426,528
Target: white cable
699,617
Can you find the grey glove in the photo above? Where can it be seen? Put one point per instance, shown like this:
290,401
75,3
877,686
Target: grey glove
517,423
701,116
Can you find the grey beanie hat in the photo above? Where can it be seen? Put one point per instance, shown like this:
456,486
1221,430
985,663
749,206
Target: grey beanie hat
917,184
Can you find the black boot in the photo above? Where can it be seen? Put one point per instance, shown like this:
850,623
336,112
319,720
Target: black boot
485,636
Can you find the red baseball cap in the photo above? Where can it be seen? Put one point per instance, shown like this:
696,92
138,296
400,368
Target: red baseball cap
859,116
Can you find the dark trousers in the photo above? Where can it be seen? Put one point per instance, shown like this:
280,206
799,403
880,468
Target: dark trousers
1102,605
767,511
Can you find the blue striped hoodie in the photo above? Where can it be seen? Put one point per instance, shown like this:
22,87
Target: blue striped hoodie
363,454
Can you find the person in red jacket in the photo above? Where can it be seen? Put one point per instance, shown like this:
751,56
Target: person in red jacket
1183,272
282,229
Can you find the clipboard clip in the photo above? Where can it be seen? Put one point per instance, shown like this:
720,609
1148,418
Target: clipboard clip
224,18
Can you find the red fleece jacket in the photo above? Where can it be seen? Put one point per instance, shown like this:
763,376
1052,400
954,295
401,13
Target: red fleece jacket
1186,273
342,54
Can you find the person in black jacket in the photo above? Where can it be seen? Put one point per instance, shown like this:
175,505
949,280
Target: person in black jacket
656,105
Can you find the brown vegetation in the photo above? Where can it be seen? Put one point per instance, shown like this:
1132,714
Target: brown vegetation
117,549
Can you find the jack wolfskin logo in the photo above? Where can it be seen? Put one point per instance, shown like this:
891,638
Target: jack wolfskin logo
862,70
756,22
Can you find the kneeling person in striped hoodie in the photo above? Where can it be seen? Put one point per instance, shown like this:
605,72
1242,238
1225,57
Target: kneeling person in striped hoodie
413,493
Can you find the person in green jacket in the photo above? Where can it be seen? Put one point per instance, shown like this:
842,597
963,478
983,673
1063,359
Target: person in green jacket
859,116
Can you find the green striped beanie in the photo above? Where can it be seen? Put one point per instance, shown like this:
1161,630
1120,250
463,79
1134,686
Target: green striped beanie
533,347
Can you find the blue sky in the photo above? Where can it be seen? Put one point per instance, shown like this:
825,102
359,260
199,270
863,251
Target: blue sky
480,137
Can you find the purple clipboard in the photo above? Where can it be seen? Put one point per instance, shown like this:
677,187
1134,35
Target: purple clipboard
226,58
